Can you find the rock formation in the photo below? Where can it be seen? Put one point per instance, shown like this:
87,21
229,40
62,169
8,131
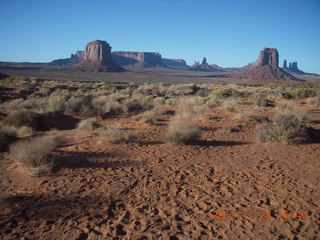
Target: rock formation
174,63
284,64
204,61
293,68
95,58
266,68
138,59
205,67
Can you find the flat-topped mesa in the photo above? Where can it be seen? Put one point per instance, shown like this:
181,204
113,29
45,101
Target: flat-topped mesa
138,59
174,63
95,58
268,56
98,51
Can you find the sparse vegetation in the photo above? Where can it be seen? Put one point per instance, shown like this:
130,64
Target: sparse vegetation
7,135
181,132
287,128
34,152
23,118
151,116
114,134
314,101
25,131
88,124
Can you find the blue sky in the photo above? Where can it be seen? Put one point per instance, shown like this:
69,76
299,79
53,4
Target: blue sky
229,33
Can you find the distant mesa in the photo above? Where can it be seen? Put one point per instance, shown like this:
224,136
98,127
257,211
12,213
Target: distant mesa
95,58
175,63
205,67
266,68
138,59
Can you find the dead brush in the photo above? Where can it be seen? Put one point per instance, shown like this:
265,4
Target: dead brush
34,153
114,134
287,128
151,116
181,132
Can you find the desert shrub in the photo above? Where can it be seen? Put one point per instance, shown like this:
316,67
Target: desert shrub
229,92
260,100
203,92
232,129
146,102
303,92
159,100
213,101
181,132
290,107
286,128
257,118
13,80
114,134
57,100
314,101
88,124
151,116
24,118
45,91
112,107
11,105
80,105
25,131
7,135
190,108
172,101
138,104
231,104
34,152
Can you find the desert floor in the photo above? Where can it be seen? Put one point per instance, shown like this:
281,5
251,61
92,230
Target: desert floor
224,186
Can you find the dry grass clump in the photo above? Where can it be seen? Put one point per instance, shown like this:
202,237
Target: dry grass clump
7,135
290,107
181,132
80,105
260,100
151,116
138,104
231,104
191,108
314,101
12,105
114,134
25,131
23,118
34,152
88,124
287,128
